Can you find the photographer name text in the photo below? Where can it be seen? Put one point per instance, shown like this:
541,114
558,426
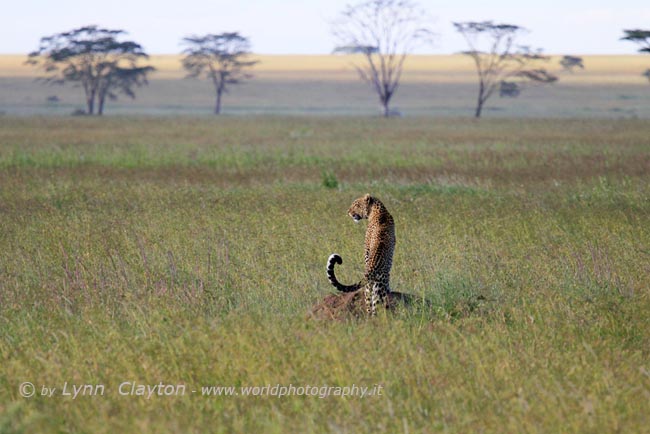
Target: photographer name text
149,391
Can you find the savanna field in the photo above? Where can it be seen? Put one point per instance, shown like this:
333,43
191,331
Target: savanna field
188,250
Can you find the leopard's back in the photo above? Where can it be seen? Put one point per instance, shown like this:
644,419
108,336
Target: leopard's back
379,248
380,245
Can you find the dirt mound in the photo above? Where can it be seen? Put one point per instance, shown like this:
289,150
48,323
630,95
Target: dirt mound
346,305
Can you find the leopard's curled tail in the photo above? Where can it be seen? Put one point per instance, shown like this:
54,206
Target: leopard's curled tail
336,259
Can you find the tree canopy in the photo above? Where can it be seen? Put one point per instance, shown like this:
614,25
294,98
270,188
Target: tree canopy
221,58
384,32
94,59
642,38
500,63
569,63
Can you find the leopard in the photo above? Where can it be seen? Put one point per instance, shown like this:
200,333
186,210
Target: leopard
379,249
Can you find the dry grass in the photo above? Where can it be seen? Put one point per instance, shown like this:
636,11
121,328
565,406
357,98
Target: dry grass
189,250
600,69
441,86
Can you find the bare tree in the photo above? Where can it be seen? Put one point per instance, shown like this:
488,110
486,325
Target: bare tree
93,58
220,58
503,66
642,38
384,32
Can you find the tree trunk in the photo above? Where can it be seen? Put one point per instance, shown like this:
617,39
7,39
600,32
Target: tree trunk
385,103
480,101
479,108
90,96
217,107
90,103
100,108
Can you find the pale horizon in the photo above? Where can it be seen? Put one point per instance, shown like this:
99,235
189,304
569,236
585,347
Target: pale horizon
303,27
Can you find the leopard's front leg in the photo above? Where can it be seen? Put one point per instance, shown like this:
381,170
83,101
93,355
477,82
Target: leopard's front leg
374,293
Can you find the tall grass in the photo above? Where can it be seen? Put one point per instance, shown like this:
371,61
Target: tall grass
189,251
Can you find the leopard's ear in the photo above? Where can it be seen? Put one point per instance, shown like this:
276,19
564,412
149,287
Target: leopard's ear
368,199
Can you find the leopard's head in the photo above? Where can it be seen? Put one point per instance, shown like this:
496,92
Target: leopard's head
360,208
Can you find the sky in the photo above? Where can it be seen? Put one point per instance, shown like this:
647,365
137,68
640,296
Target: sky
304,26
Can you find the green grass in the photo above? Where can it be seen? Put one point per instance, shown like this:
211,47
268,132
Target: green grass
186,250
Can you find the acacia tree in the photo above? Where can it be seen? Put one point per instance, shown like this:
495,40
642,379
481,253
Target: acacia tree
220,58
503,66
642,38
92,58
569,63
384,32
